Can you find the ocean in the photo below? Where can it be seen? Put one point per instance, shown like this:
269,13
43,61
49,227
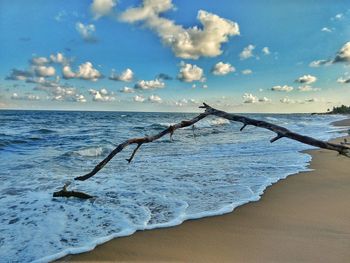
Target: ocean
205,172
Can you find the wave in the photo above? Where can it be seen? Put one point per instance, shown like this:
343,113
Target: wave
90,151
201,124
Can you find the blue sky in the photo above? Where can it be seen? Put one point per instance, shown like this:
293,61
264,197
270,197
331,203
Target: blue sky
163,55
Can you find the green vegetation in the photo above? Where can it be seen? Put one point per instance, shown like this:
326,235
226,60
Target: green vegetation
340,110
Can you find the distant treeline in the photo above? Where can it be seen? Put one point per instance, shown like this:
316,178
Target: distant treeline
339,110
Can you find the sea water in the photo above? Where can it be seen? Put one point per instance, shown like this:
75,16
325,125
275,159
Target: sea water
205,171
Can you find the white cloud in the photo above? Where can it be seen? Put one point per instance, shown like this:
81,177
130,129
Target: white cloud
343,55
44,71
16,96
307,79
184,102
126,76
86,31
222,68
101,8
59,58
247,71
306,88
67,72
127,90
285,88
250,98
39,61
321,62
139,98
266,51
88,72
343,80
190,73
204,86
339,16
150,84
326,29
155,99
247,52
59,92
287,101
102,95
190,43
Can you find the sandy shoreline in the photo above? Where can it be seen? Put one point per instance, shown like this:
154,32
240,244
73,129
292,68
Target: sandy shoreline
304,218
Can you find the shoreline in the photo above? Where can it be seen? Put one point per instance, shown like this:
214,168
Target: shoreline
296,219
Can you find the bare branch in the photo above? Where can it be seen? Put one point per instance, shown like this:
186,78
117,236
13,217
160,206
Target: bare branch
133,153
279,130
65,193
140,141
244,125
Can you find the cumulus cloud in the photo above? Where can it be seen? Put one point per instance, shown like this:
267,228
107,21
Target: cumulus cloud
67,72
102,95
39,61
307,88
287,101
59,58
284,88
150,84
185,102
127,90
16,96
155,99
59,92
266,51
343,55
307,79
188,43
247,71
44,71
88,72
86,31
139,98
222,68
250,98
18,74
101,8
247,52
190,73
126,76
343,80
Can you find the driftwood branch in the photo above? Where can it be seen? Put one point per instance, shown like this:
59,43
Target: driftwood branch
65,193
280,131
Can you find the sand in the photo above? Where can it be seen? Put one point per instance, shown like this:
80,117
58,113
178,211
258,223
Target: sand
304,218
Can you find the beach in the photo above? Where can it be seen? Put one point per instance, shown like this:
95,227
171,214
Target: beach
303,218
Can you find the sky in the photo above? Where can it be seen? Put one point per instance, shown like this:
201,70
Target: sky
171,55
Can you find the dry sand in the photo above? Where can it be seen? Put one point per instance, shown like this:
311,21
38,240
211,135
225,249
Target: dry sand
304,218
